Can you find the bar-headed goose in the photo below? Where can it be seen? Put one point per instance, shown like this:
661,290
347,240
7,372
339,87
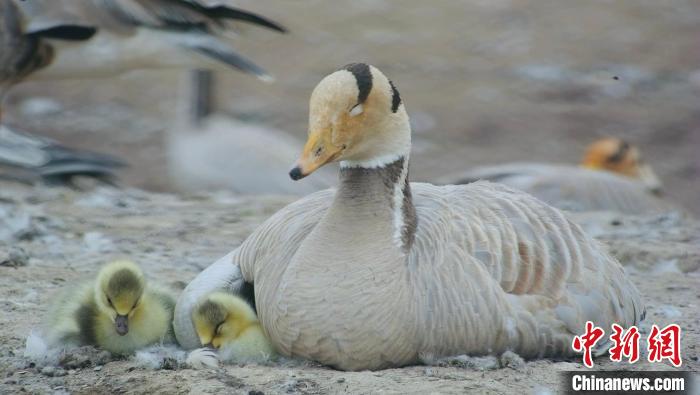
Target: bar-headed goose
381,271
612,177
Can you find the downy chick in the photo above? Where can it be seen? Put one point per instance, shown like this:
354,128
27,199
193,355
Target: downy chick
118,312
227,323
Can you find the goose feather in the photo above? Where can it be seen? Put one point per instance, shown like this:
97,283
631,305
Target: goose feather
570,187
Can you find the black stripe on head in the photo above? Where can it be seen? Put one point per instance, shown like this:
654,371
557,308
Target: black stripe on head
395,98
621,152
363,76
124,281
212,311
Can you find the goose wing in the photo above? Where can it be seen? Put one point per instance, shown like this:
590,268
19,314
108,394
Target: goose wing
27,157
530,276
188,24
571,188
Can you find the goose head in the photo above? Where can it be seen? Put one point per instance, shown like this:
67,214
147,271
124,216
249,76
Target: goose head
618,156
356,118
219,318
119,288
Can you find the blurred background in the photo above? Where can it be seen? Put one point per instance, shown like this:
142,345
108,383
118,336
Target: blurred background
484,81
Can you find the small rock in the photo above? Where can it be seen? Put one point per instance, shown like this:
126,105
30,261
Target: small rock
341,380
84,357
97,368
13,257
512,360
48,371
51,371
488,362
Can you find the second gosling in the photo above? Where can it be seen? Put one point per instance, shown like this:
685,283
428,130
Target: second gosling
227,323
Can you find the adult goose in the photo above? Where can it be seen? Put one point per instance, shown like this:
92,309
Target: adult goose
381,271
23,156
612,177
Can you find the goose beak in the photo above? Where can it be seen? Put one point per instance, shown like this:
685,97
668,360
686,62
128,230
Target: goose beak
318,151
121,324
650,179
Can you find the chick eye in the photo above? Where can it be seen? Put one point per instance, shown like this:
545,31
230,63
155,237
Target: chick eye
218,328
135,303
357,110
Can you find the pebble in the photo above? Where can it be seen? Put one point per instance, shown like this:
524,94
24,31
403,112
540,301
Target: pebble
512,360
51,371
13,257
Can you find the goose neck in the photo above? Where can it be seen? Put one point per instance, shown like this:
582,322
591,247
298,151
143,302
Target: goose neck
380,196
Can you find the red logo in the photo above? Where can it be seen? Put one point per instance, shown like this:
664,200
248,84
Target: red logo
626,344
587,341
665,344
661,344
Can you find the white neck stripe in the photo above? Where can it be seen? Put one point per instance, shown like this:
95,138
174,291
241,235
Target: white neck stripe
399,222
380,161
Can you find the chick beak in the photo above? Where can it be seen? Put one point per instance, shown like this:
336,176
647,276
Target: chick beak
650,179
318,151
121,323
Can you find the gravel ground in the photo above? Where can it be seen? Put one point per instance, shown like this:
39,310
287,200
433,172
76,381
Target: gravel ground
53,237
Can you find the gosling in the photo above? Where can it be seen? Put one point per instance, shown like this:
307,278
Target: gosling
228,324
117,312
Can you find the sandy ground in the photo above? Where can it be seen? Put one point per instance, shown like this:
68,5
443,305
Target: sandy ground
58,236
484,81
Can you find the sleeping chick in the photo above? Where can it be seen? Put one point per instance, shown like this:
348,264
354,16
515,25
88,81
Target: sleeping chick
228,324
118,312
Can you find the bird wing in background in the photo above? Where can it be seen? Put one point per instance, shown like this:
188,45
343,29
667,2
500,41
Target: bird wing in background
167,26
36,157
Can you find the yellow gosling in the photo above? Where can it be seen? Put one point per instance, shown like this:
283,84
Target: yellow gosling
118,312
227,323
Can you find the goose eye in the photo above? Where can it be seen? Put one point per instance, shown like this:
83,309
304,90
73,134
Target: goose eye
135,303
218,328
109,300
357,110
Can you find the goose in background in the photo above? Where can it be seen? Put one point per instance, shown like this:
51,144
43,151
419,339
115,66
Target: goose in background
382,271
25,157
63,39
612,177
102,38
209,151
29,158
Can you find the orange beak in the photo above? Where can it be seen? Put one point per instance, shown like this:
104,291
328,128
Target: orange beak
318,150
